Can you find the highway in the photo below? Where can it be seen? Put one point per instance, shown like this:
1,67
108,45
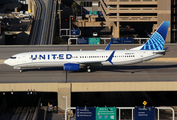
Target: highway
44,23
22,108
148,71
38,21
48,31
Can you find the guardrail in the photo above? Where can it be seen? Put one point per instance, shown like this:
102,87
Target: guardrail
131,108
107,40
70,32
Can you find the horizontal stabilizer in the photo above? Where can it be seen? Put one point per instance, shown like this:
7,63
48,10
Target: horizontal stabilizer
166,48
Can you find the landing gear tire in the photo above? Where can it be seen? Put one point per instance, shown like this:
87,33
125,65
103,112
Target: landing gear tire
20,70
88,70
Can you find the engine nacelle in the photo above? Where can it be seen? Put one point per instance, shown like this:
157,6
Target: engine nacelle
71,67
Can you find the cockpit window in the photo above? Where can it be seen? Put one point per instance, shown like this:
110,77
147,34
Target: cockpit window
13,57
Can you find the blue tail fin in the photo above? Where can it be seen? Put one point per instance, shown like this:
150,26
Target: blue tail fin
157,40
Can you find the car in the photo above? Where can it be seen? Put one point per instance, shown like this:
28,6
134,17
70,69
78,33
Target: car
107,14
95,34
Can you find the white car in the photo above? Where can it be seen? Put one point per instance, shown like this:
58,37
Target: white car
95,34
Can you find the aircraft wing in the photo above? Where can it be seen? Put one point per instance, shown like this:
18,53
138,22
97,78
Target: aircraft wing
89,63
95,62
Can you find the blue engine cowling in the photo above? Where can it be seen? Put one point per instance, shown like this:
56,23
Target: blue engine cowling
71,67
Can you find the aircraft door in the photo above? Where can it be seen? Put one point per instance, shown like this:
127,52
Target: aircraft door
23,58
142,55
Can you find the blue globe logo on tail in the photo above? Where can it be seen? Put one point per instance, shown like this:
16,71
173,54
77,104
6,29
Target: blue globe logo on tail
157,40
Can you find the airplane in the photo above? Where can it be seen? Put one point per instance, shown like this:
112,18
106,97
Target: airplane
74,60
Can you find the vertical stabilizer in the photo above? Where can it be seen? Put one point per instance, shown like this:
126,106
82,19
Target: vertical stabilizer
108,46
157,40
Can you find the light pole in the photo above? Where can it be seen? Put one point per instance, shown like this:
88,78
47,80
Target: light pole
70,25
66,100
174,30
59,12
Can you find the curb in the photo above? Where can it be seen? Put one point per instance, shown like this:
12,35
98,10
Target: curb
165,59
2,61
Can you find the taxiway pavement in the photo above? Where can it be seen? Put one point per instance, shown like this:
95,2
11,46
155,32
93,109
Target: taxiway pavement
148,71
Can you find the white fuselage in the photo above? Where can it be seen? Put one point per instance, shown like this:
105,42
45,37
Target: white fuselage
59,58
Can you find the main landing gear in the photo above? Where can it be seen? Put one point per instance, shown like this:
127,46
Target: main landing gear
20,70
88,69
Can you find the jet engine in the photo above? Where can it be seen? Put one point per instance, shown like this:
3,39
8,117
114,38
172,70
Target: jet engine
71,67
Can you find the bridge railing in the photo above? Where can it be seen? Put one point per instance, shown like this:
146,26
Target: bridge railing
107,40
132,111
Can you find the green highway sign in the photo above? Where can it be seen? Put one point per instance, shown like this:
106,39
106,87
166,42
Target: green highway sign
92,12
94,41
106,113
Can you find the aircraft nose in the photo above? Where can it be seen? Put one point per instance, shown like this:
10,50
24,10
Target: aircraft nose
7,62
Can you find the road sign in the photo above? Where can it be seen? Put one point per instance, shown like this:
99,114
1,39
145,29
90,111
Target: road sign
92,12
144,113
83,40
75,31
116,41
127,40
99,13
94,41
144,103
85,113
106,113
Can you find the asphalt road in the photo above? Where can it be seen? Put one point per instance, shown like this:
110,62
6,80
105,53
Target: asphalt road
38,22
8,51
148,71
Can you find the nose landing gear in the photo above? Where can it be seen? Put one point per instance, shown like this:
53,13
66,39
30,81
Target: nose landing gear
88,69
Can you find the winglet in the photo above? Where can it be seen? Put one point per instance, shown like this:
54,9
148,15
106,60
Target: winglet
108,46
110,57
